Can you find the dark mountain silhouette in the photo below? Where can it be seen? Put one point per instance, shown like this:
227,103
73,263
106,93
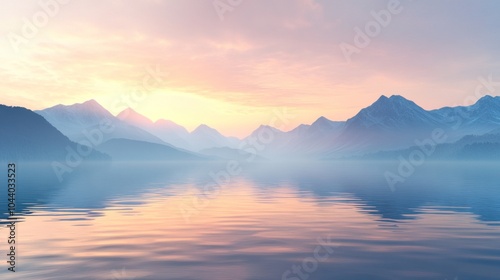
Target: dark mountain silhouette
26,136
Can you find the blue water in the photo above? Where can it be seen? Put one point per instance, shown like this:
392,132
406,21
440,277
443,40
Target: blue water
329,220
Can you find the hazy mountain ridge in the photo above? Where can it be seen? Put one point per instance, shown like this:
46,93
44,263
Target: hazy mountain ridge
133,150
123,141
226,153
479,118
390,124
167,131
395,123
470,147
77,120
393,112
203,137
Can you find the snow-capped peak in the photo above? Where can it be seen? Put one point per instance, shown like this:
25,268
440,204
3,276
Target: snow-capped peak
392,112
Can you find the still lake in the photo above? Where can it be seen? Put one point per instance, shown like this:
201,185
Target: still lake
315,220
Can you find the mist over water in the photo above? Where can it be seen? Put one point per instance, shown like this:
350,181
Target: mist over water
160,221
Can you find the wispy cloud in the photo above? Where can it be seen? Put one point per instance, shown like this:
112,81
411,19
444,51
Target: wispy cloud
264,54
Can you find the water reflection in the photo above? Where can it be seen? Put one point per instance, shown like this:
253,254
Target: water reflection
126,222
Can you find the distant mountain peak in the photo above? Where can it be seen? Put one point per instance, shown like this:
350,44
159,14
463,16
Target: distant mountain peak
128,110
487,99
90,105
394,111
395,102
265,126
396,97
382,98
485,110
90,108
131,115
91,102
168,126
262,128
324,122
206,137
392,100
203,128
324,125
321,120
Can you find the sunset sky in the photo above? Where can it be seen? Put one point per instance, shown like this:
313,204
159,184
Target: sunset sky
231,69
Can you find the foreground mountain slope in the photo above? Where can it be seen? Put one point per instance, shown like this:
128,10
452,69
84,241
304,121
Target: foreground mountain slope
26,136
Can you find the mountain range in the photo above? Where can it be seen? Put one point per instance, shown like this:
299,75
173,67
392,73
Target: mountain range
203,137
390,124
78,120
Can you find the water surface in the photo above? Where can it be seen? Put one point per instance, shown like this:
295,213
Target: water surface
125,221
